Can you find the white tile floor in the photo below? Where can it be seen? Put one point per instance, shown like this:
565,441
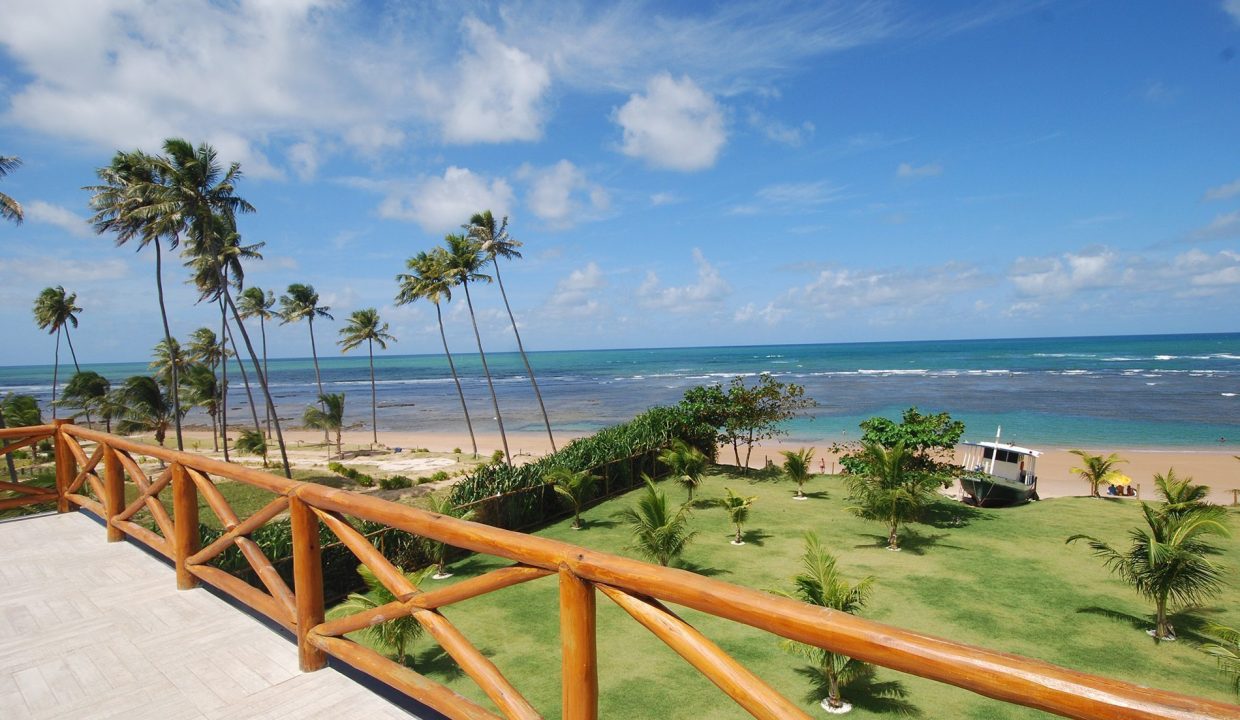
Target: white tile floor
91,629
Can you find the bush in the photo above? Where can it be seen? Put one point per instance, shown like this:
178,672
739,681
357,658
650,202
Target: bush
456,451
396,482
353,474
497,457
438,476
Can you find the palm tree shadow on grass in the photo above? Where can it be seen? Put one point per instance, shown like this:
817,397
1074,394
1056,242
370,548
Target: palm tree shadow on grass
755,537
864,691
944,514
1187,623
911,542
755,475
818,495
700,569
435,662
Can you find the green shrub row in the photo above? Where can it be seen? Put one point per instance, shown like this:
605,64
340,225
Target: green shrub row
356,476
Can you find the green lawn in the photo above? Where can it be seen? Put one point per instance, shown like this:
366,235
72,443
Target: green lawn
1002,579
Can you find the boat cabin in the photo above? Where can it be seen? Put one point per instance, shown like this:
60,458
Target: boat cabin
1010,462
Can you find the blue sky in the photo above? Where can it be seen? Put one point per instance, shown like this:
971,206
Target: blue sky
680,174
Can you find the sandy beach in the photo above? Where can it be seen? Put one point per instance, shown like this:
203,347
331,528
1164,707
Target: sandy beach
1212,466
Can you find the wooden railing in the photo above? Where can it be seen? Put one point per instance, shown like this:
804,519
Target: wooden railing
637,587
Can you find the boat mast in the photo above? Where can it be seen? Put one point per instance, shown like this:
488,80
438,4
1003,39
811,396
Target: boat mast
995,452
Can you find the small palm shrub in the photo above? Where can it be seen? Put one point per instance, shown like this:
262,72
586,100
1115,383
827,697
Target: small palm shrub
659,531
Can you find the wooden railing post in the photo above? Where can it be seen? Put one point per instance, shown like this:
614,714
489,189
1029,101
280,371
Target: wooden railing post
187,540
113,492
66,465
578,646
307,582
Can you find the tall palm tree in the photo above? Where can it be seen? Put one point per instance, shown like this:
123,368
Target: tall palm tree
464,264
301,302
89,390
147,408
10,209
168,365
738,511
574,486
892,491
686,464
819,583
329,416
428,280
1095,469
497,243
797,467
201,388
255,302
205,348
365,326
393,636
1167,561
56,310
659,532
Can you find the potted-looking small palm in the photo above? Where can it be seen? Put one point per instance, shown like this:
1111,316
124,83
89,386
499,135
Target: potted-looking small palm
738,512
797,467
575,487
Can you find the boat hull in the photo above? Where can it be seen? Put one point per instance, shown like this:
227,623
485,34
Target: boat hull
990,491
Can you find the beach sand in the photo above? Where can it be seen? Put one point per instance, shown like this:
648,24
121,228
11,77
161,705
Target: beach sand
1212,466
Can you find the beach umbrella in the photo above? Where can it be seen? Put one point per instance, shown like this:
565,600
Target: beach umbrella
1118,478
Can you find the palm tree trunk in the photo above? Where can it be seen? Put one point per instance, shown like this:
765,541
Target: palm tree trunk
503,436
215,429
76,367
528,369
1162,628
374,422
245,380
262,380
55,372
172,355
8,458
318,380
893,536
224,376
262,328
457,380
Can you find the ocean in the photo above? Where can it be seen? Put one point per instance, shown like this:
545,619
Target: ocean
1157,391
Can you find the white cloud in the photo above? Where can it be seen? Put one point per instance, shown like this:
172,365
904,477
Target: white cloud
443,203
1066,274
63,218
776,131
1221,227
771,314
788,198
498,94
1232,8
834,291
664,198
675,126
702,296
63,271
577,294
304,158
561,195
1226,190
908,170
373,138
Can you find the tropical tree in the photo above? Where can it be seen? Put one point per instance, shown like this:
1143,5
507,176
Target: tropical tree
738,511
496,243
147,408
56,310
88,390
255,302
328,416
659,531
168,366
301,302
1182,497
438,551
463,263
686,464
797,467
393,636
253,442
18,411
205,349
200,388
1095,469
820,583
1225,647
10,209
132,202
747,414
574,486
892,491
365,326
428,280
1167,561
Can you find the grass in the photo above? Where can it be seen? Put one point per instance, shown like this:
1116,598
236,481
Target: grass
1001,579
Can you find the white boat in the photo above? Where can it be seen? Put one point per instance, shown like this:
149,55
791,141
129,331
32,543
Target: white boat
998,473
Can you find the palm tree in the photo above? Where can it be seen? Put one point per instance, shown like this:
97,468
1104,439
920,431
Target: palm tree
797,467
892,491
132,202
147,408
168,365
819,583
202,389
738,511
575,486
205,348
1182,497
685,463
496,243
10,209
253,442
88,391
428,280
659,533
255,302
443,505
463,263
1167,561
302,302
328,416
1226,649
18,411
364,326
56,310
1096,469
394,636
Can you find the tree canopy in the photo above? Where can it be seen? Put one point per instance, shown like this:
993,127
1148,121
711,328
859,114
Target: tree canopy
746,414
927,439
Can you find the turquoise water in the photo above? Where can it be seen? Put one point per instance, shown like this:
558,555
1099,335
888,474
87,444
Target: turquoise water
1153,391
